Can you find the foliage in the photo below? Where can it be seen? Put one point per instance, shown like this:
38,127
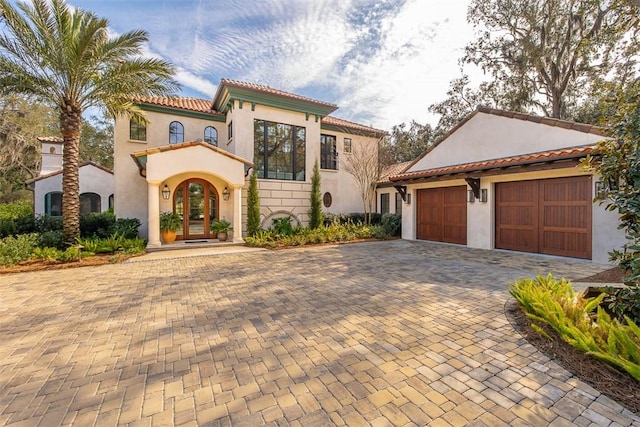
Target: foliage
623,302
97,224
127,227
406,143
364,167
13,211
67,58
17,249
51,239
553,302
618,165
169,221
315,213
282,226
543,53
391,224
354,217
47,254
299,236
96,142
221,226
253,206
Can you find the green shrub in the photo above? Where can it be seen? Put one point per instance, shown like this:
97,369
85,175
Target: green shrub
391,224
553,302
72,253
91,245
13,211
17,249
355,218
282,226
44,223
253,206
134,246
126,227
47,254
623,302
51,239
315,212
112,243
7,228
100,225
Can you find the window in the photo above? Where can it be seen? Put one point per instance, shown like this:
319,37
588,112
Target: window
384,203
398,203
327,200
211,136
89,202
111,203
176,133
347,145
230,131
137,131
328,154
53,203
279,150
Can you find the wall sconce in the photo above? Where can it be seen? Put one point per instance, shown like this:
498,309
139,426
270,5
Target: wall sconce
600,188
166,192
408,198
471,197
225,194
483,195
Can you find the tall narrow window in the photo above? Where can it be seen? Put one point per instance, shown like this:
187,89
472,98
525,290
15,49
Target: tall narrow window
279,151
347,145
53,203
398,203
176,133
230,131
384,203
328,153
137,131
211,135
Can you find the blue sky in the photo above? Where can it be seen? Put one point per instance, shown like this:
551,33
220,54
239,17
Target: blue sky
382,61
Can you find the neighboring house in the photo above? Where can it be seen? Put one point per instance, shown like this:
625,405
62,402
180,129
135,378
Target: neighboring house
195,156
508,180
96,183
388,199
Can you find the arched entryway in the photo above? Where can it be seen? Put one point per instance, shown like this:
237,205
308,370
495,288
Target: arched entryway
196,201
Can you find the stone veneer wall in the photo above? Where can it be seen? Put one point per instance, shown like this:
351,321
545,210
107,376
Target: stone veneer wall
279,198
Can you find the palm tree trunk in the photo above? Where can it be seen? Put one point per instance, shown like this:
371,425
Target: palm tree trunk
71,126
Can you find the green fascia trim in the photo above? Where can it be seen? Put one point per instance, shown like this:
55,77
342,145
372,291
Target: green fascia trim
180,112
246,95
349,130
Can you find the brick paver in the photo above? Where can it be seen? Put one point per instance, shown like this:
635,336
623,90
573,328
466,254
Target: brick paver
388,333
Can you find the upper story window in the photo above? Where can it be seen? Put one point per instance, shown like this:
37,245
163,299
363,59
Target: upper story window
176,133
211,135
137,131
328,153
347,145
279,150
230,131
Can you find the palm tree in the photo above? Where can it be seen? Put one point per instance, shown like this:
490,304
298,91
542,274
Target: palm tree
66,57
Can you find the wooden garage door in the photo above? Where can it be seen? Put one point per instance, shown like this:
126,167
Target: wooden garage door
442,214
551,216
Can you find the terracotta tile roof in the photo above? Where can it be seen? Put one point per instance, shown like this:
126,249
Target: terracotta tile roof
334,121
270,90
50,174
170,147
190,104
505,162
392,170
51,139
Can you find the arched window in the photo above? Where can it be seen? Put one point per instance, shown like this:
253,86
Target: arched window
53,203
176,133
111,202
89,202
211,135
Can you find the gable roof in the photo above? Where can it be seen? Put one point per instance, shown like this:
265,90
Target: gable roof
196,105
50,174
341,125
392,170
491,167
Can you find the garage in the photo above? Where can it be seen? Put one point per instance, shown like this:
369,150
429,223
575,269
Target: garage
442,214
550,216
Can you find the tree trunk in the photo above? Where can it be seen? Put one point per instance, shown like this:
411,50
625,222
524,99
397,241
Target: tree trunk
71,126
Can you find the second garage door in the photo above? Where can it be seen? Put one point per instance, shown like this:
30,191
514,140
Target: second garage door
551,216
442,214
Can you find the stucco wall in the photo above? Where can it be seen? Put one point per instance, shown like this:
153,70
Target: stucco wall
481,216
486,136
92,180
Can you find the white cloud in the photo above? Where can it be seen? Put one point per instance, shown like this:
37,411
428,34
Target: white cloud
197,83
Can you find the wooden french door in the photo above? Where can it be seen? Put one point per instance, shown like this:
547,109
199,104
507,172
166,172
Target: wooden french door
196,201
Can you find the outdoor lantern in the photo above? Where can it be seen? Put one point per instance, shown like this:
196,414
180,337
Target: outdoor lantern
225,194
483,195
166,192
471,197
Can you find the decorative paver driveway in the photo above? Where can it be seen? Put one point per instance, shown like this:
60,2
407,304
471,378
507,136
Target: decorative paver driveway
386,333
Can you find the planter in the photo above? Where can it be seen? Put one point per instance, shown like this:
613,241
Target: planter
223,236
168,236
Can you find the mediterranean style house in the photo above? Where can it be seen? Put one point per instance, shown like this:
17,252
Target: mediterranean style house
505,180
96,183
195,156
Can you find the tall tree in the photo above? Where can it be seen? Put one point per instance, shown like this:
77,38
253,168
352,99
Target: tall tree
253,206
410,142
65,57
21,123
315,212
366,170
544,52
